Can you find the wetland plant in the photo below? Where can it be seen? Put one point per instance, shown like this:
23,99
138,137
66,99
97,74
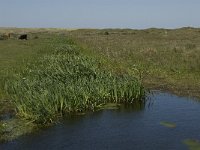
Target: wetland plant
66,81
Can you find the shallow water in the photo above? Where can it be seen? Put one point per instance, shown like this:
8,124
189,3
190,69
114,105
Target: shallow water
141,128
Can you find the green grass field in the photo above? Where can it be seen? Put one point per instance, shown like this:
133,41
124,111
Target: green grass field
59,71
50,75
15,54
168,60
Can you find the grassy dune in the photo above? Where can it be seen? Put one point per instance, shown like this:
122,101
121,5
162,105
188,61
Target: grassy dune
167,59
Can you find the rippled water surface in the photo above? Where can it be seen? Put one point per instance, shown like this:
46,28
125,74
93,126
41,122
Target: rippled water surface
162,124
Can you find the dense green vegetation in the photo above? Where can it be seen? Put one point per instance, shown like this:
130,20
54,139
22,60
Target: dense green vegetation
66,81
49,76
167,59
14,56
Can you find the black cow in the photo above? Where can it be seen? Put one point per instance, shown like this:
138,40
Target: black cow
23,37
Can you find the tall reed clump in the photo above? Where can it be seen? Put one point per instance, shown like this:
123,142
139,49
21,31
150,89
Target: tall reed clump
67,81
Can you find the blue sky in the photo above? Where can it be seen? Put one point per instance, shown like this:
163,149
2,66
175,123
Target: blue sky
100,13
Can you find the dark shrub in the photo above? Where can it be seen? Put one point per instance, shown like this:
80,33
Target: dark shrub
106,33
23,37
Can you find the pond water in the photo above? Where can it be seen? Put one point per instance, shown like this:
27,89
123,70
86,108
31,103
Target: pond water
163,123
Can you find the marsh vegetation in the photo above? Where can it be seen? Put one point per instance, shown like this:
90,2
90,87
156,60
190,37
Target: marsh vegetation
170,123
168,59
58,72
67,81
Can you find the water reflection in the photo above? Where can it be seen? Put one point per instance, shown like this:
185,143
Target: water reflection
134,107
140,126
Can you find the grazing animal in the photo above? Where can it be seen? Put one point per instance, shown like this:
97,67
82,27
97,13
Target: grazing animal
23,37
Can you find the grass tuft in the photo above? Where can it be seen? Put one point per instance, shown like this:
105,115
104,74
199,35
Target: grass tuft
66,81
